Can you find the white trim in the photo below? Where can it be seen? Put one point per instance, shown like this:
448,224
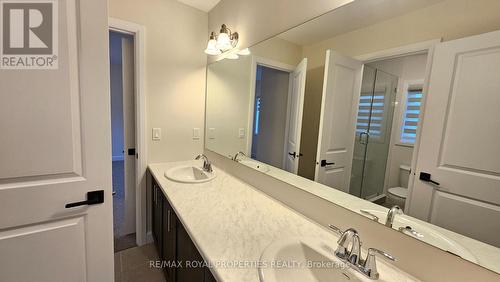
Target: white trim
117,158
321,117
253,76
402,51
138,31
416,147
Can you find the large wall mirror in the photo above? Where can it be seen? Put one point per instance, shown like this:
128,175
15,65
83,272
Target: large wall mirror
374,105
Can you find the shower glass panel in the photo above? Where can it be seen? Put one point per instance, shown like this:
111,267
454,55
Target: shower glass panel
373,133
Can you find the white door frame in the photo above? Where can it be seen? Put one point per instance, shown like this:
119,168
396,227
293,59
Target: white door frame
403,51
253,76
138,32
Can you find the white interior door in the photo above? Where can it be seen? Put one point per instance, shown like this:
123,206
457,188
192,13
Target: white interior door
129,134
459,140
295,111
341,90
55,147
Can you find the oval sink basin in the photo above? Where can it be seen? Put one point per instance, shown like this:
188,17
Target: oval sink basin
255,165
189,174
427,234
303,259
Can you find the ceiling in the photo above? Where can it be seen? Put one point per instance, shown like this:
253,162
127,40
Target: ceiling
356,15
204,5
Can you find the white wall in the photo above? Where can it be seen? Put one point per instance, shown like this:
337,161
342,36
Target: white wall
176,36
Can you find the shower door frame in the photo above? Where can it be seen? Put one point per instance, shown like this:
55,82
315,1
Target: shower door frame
403,51
368,141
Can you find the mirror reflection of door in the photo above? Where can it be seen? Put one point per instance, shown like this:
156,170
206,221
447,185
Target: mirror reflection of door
279,98
336,129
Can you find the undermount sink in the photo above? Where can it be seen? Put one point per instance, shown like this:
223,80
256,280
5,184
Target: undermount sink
290,260
255,165
426,234
312,259
189,174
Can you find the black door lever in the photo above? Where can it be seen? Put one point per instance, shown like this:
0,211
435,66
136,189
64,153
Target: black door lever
325,163
93,198
295,155
426,177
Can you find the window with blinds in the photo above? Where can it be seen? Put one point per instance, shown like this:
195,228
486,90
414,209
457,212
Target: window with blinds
411,114
373,104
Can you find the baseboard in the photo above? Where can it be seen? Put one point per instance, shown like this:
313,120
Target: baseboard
117,158
149,237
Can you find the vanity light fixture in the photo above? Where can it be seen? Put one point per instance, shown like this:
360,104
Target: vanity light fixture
225,41
244,52
212,46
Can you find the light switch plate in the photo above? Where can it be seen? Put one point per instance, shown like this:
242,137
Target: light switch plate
156,134
241,133
211,133
196,133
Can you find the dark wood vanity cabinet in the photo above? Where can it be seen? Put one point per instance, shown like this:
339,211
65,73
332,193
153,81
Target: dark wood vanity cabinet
182,261
169,240
156,217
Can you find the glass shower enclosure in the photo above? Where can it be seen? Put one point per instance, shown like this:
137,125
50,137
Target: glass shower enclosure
373,133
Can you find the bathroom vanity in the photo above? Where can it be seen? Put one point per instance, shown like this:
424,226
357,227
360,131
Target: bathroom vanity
238,231
173,244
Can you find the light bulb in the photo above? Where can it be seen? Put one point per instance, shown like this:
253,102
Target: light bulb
212,48
223,42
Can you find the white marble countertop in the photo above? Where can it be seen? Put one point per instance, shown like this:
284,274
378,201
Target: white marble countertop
231,221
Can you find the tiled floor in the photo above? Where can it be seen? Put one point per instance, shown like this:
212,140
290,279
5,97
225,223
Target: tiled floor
132,265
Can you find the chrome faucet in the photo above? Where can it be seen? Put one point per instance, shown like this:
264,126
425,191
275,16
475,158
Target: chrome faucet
235,158
395,210
367,267
349,237
207,166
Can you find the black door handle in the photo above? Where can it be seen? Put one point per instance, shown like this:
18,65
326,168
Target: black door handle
295,155
325,163
93,198
426,177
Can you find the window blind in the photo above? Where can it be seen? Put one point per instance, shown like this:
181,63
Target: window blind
373,104
411,114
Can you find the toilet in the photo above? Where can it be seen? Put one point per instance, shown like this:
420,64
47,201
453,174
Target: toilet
397,195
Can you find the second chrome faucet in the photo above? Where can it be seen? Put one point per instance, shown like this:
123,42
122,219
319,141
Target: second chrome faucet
349,251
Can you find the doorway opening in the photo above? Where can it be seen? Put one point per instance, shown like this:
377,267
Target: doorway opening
386,128
270,115
277,113
122,85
